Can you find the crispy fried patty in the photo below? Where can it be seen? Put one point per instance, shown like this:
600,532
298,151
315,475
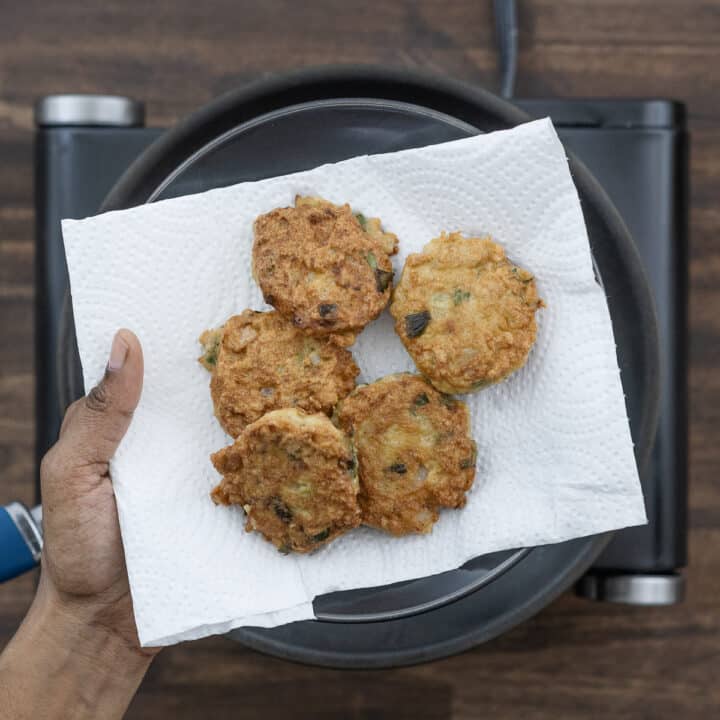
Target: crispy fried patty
261,362
295,476
414,451
323,267
465,313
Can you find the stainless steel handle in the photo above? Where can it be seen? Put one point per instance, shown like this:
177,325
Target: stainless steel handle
89,110
660,589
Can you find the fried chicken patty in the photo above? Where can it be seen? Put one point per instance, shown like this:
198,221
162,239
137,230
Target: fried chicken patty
323,267
465,313
414,450
295,475
260,362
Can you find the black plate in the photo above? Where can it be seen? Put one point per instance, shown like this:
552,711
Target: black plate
300,121
258,149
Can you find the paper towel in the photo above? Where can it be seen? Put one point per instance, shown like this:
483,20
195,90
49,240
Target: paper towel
555,458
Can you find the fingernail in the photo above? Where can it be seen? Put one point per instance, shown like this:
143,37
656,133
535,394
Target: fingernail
118,353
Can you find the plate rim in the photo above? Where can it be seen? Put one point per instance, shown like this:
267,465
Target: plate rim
308,83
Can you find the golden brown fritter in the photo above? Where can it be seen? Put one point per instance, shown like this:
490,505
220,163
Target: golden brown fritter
295,476
414,452
260,362
465,313
322,267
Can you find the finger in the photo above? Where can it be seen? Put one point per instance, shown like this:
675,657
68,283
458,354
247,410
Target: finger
95,425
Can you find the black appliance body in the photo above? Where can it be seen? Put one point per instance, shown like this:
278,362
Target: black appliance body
636,149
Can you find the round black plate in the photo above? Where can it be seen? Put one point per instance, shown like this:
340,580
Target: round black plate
303,120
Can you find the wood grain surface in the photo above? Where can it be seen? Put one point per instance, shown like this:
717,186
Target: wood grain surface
576,659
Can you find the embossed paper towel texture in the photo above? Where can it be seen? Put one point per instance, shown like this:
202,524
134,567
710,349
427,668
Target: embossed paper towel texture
555,457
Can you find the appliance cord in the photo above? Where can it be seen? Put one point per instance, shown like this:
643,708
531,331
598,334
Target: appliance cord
507,31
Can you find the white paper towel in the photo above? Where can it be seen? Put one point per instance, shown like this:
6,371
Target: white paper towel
555,458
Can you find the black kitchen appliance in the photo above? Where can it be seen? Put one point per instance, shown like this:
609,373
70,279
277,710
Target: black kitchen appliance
94,152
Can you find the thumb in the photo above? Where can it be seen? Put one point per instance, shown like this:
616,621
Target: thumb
95,425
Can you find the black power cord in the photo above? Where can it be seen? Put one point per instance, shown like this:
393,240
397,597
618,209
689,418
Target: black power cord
507,32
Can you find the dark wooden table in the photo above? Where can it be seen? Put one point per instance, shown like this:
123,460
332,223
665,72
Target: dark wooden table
574,660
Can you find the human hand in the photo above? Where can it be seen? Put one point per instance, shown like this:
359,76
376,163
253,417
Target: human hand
80,630
83,561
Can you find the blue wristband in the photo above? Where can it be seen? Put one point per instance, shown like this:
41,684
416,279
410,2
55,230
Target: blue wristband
17,555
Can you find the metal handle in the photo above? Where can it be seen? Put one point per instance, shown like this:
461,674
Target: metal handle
666,589
89,111
20,539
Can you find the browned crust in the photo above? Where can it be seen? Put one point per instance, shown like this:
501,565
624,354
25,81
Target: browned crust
295,476
260,362
414,450
465,313
320,269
